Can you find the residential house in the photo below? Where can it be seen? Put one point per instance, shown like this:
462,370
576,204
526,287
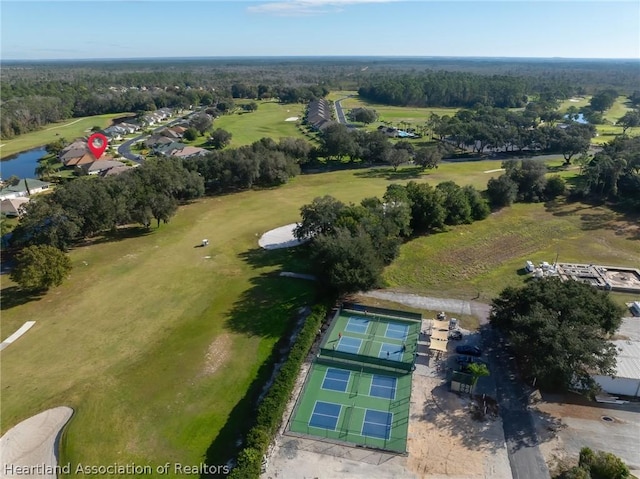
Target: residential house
319,114
170,133
169,148
189,152
81,160
116,170
99,166
157,140
13,207
71,154
26,187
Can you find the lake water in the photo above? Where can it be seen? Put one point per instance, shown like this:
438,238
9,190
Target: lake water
22,165
580,119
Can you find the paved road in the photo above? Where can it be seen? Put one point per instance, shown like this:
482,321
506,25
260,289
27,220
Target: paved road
340,112
512,395
125,148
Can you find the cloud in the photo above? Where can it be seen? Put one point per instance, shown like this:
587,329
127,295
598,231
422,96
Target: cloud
307,7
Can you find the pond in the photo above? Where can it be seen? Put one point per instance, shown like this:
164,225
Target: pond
579,119
22,165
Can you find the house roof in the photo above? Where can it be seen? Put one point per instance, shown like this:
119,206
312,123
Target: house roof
116,170
101,165
77,161
188,151
32,183
12,206
75,153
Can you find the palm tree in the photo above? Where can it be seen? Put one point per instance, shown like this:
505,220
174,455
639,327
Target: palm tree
477,370
45,170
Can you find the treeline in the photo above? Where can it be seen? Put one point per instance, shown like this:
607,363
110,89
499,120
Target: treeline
87,207
351,244
613,174
264,163
446,89
498,129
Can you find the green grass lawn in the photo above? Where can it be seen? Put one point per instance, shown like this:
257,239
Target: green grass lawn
267,121
486,256
155,342
68,129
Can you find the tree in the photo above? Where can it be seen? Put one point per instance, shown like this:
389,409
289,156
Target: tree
455,203
13,180
191,134
477,370
555,187
427,210
39,268
558,331
337,141
319,217
397,157
597,465
479,206
631,119
201,122
501,191
603,100
220,138
55,147
346,263
364,115
428,158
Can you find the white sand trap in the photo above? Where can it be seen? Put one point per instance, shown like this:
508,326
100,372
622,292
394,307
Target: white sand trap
23,329
292,118
279,238
494,171
32,444
574,100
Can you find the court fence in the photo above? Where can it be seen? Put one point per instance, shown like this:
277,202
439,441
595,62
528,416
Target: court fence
396,443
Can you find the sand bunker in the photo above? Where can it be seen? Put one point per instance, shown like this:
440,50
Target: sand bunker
33,443
292,118
279,238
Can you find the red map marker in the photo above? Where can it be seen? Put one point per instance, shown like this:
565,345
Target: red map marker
97,143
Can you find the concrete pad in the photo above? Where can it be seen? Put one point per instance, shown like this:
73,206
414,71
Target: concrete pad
23,329
281,237
29,450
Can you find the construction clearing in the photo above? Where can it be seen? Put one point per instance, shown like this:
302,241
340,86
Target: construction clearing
609,278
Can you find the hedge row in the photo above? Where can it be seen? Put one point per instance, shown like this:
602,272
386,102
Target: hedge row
271,409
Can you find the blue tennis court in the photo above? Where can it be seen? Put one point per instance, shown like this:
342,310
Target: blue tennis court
336,380
397,331
391,351
357,325
325,415
349,345
377,424
383,387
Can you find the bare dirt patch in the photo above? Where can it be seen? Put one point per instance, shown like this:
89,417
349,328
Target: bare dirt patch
217,354
444,439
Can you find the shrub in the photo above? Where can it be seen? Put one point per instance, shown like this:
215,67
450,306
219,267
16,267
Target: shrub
271,409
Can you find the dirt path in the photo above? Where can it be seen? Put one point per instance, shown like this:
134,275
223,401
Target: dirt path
63,126
456,306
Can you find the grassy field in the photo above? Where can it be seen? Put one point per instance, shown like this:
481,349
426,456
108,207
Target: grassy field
155,342
68,129
267,121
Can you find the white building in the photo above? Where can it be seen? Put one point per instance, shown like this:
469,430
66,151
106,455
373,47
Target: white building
626,380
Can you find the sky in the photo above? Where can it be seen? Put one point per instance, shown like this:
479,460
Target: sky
73,29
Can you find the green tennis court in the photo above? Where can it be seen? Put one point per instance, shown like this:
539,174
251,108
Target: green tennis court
359,388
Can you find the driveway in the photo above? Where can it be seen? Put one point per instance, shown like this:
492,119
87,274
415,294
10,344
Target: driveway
525,457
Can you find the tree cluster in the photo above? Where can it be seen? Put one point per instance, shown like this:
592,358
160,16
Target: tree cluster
614,172
446,89
498,129
597,465
523,181
558,331
89,206
352,243
41,267
264,163
363,115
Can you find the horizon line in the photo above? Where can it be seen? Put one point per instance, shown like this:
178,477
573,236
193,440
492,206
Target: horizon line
257,57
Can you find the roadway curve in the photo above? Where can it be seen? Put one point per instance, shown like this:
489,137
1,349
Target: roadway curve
522,441
125,148
340,112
